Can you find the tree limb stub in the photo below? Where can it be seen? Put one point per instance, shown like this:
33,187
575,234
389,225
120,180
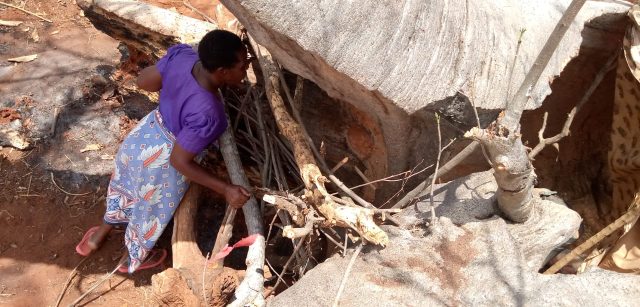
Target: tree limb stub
359,219
513,170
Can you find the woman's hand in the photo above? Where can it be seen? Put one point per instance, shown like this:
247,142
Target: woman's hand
236,196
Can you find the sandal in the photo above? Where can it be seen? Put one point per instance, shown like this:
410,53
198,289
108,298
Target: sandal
82,248
148,263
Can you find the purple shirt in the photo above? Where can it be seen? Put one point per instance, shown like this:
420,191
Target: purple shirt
194,115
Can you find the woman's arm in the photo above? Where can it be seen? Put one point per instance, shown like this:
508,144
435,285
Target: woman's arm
182,161
150,79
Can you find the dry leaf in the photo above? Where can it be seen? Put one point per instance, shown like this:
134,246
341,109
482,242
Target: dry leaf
55,32
23,59
107,157
10,23
91,147
35,36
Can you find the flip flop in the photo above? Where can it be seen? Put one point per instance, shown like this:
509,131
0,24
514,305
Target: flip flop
147,264
82,248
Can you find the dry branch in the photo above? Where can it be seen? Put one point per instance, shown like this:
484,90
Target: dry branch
631,215
359,219
609,65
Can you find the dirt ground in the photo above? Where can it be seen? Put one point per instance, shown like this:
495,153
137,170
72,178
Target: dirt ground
52,193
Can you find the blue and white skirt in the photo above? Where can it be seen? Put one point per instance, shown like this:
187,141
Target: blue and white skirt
145,190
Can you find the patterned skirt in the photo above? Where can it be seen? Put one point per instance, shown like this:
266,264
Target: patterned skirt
145,190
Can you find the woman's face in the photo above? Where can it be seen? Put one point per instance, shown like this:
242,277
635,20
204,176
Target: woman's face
237,73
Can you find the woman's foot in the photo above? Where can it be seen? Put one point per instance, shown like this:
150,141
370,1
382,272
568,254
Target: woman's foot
93,239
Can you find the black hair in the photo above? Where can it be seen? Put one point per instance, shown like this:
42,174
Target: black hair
219,48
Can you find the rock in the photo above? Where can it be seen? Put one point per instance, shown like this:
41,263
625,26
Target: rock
469,257
471,199
398,62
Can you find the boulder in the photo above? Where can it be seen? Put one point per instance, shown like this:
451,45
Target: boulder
470,256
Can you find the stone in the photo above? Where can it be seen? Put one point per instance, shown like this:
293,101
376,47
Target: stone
470,256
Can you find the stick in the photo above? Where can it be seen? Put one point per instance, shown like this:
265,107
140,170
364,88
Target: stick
66,283
100,282
457,159
65,192
224,233
408,174
30,13
346,274
567,124
340,164
435,174
204,16
627,218
56,112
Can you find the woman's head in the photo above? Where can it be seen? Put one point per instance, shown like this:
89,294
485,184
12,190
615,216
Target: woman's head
223,54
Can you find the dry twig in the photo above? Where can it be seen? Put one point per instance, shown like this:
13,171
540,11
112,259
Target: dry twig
609,65
286,265
28,12
66,283
435,174
346,274
203,15
65,192
100,282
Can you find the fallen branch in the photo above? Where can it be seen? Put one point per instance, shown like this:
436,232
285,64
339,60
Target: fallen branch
251,288
28,12
445,169
629,217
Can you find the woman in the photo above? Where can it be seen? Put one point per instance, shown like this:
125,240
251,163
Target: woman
155,162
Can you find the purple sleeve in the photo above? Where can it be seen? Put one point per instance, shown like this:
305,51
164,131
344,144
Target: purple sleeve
161,65
199,129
